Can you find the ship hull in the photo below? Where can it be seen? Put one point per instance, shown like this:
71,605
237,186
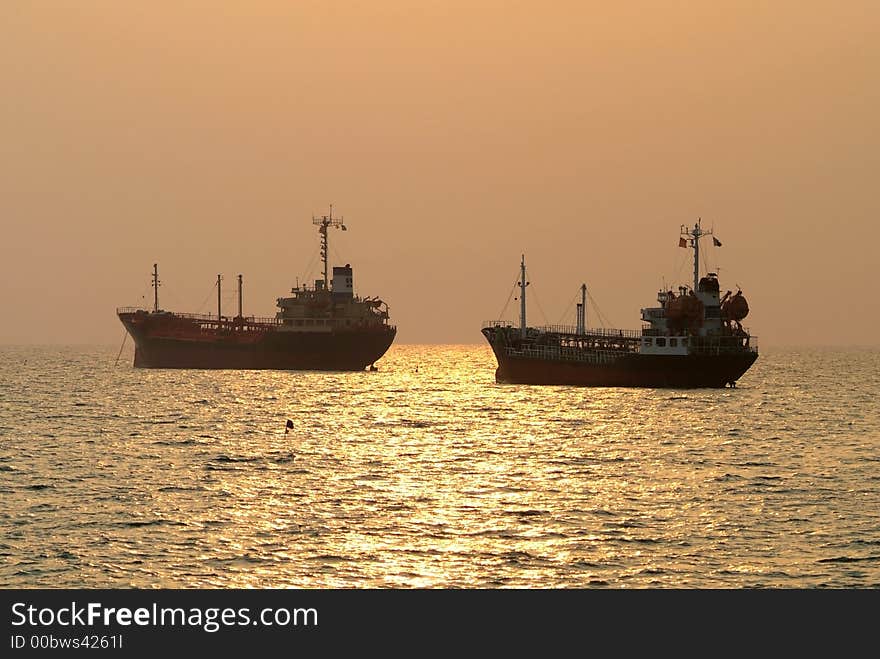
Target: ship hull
345,350
629,369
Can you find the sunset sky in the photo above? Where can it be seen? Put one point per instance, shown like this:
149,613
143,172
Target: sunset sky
452,137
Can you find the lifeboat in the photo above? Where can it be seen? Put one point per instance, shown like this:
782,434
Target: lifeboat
735,307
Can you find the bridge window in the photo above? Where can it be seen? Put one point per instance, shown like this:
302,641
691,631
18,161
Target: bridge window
661,342
673,343
647,341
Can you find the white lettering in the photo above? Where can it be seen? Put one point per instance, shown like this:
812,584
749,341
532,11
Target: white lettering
76,614
23,618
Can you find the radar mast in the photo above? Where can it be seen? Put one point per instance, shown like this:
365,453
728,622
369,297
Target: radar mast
694,235
323,222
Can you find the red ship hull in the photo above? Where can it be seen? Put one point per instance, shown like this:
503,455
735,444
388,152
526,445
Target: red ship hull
173,341
631,371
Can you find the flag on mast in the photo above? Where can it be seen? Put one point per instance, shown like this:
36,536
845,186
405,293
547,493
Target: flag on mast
682,242
716,242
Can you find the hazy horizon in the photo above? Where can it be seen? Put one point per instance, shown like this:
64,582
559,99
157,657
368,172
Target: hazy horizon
452,138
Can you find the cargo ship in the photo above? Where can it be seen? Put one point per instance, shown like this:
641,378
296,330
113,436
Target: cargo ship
694,338
323,327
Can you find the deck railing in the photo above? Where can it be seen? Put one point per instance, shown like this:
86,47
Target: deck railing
206,317
599,332
591,331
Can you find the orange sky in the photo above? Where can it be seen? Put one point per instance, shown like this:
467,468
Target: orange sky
452,136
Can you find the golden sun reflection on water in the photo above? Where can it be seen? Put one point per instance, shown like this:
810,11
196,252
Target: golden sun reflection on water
427,474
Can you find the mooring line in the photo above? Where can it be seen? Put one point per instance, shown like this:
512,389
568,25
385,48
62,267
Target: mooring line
124,337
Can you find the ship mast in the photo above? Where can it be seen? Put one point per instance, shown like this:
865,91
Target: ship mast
155,288
581,318
522,296
239,297
219,315
327,221
694,236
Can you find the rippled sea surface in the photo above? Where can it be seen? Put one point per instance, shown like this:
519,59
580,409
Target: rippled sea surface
428,474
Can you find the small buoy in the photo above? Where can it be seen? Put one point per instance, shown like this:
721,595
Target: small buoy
289,426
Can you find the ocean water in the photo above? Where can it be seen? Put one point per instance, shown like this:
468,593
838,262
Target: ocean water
428,474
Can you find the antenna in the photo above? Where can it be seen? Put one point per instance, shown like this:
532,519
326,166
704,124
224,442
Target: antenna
323,222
